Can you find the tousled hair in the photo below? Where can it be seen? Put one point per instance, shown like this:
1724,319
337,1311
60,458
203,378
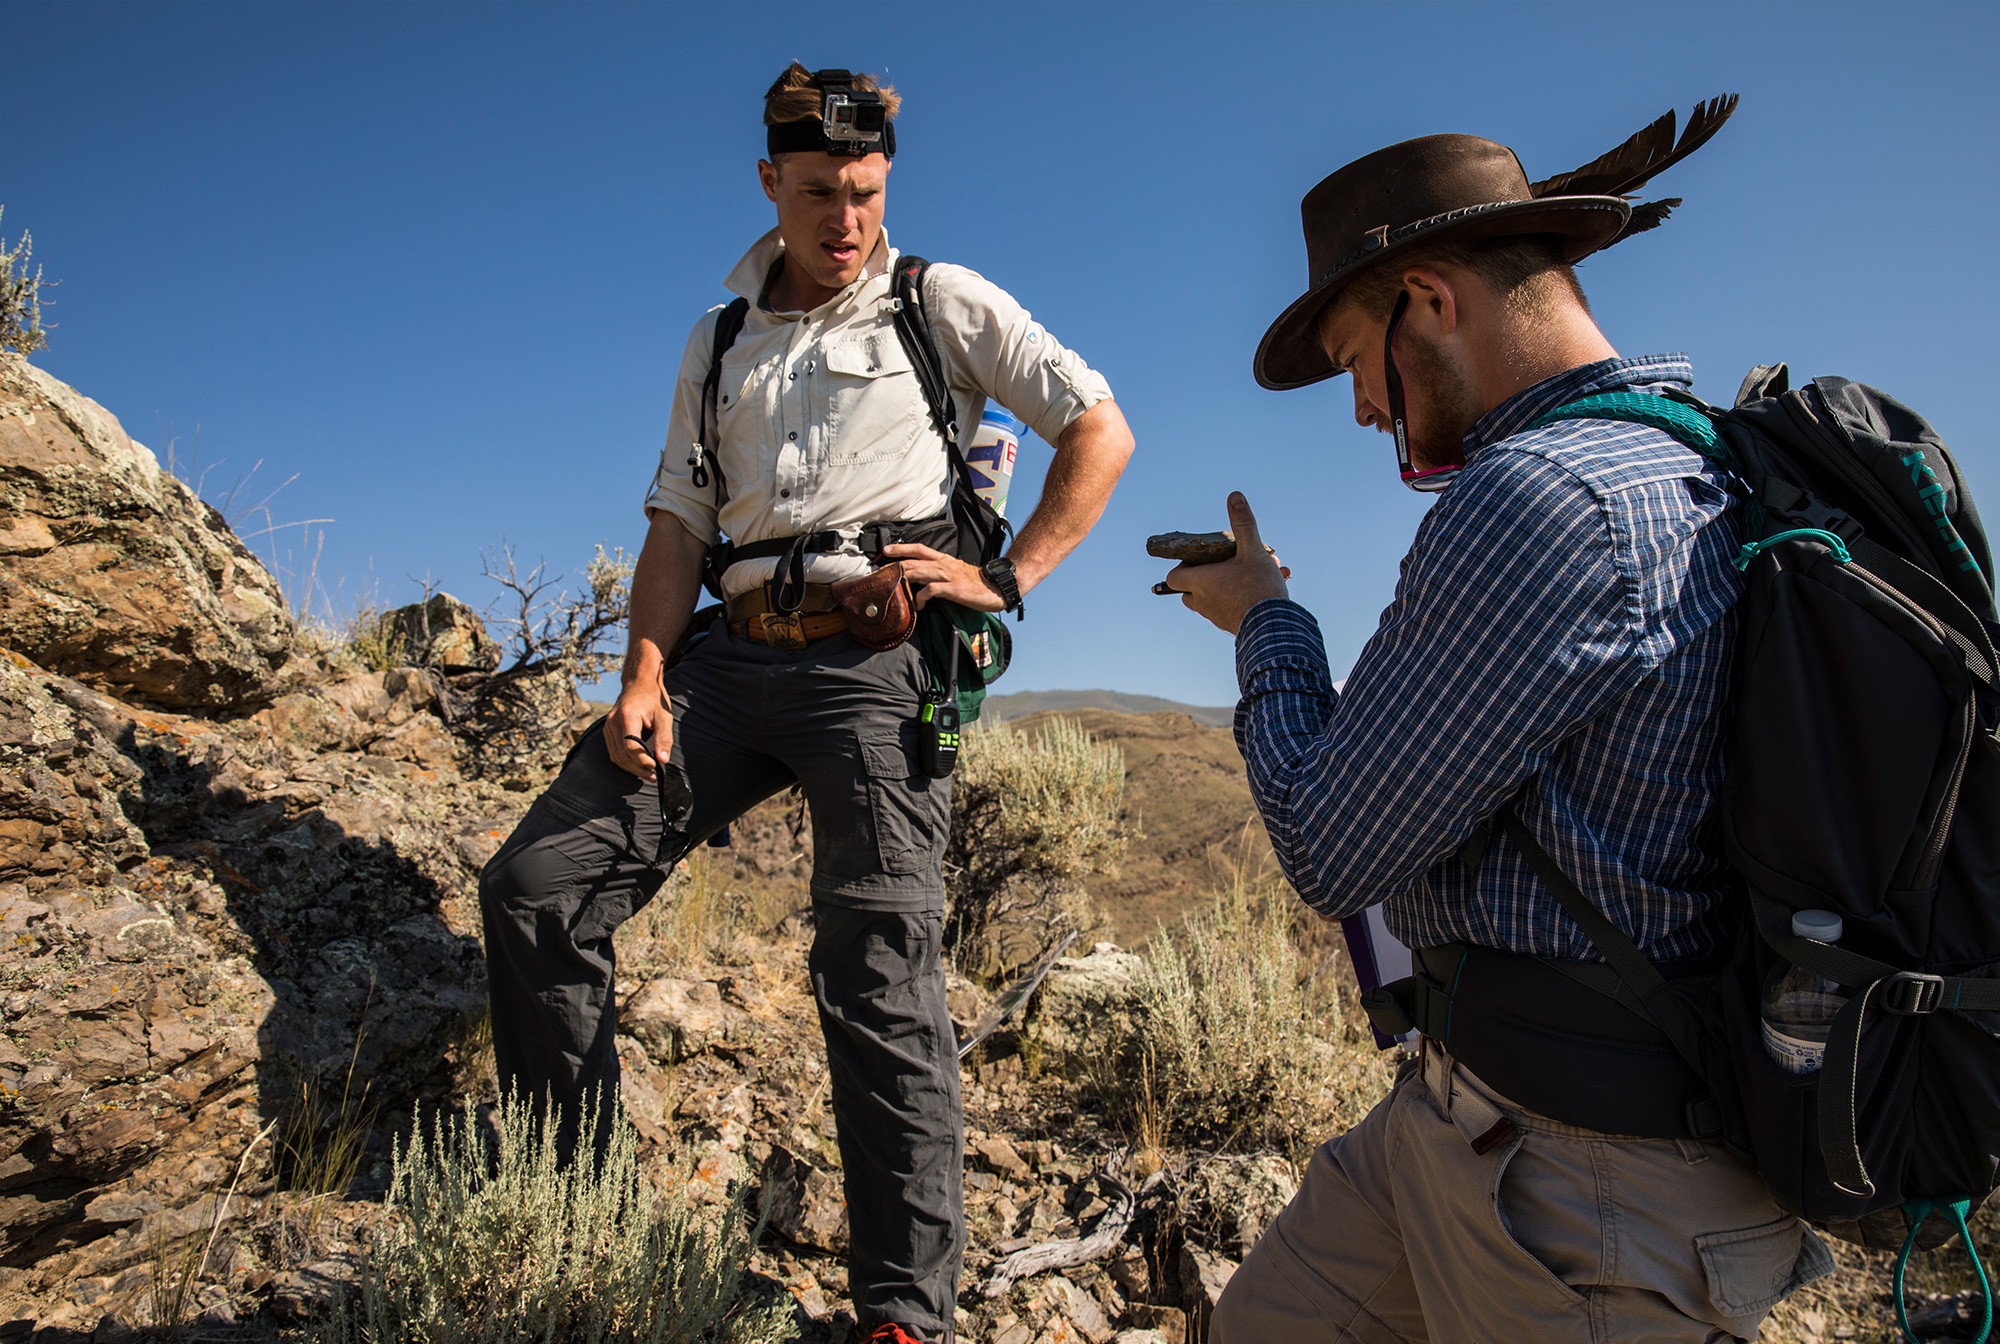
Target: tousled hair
795,96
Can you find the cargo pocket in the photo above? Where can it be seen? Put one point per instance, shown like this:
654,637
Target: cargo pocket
910,810
1752,1270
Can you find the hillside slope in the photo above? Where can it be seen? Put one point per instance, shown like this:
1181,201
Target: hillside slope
1023,703
1188,805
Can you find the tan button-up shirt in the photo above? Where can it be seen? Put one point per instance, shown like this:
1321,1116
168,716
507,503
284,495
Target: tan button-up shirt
823,423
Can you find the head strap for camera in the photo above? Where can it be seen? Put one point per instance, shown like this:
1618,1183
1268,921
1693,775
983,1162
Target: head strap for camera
853,123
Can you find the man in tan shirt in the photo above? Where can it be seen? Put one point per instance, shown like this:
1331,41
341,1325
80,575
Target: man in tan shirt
820,459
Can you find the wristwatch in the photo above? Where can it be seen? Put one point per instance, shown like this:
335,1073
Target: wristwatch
1000,577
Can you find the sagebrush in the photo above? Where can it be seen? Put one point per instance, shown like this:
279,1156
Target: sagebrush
1033,814
1235,1040
486,1240
20,297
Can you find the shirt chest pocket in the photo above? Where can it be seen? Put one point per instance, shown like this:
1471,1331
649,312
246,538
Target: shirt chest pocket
741,411
874,406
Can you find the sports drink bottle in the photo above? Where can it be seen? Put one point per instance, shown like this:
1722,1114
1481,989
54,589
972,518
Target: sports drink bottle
991,455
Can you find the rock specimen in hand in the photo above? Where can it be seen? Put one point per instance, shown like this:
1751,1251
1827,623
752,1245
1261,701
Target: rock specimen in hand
1193,548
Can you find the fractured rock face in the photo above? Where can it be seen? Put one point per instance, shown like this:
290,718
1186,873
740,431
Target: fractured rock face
441,633
113,572
1084,1001
1231,1200
1203,1277
675,1019
807,1206
199,918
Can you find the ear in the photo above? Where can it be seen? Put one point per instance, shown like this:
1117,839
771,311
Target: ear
767,177
1433,293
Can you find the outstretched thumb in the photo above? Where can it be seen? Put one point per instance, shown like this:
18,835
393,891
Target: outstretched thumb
1244,524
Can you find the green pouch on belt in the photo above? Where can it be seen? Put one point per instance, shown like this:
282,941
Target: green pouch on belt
977,639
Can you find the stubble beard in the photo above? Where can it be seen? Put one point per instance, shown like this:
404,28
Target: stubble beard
1435,384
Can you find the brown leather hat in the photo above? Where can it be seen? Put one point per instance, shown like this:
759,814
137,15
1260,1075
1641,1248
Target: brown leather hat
1458,188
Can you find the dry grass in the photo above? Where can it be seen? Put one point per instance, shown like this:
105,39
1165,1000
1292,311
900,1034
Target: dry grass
180,1261
320,1149
692,923
1235,1042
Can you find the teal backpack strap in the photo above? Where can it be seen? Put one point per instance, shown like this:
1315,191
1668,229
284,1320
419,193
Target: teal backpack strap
1916,1211
1666,414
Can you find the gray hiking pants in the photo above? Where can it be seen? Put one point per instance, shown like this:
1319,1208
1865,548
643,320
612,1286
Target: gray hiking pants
749,721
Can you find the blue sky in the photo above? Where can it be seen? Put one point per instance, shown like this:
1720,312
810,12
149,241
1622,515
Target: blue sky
438,261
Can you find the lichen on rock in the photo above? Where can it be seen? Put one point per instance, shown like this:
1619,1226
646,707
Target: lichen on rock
115,573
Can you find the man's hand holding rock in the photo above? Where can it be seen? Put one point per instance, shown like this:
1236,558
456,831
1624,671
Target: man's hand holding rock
1224,592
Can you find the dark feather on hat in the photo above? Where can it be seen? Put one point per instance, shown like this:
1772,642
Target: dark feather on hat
1648,216
1637,161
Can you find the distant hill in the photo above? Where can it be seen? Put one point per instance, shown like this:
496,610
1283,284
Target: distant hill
1023,703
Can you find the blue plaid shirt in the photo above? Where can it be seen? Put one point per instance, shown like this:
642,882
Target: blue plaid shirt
1561,637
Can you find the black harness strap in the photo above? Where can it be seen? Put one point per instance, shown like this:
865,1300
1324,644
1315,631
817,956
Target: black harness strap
933,532
1668,1011
706,458
913,328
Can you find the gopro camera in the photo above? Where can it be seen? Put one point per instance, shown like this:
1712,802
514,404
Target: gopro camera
853,120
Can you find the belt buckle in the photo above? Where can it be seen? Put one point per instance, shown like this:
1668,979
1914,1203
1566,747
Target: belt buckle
1912,993
785,631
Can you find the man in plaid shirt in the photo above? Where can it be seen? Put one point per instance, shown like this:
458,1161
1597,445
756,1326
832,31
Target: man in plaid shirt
1561,640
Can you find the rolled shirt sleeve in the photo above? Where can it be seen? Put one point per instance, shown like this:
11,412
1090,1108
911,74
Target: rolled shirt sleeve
674,490
992,344
1457,701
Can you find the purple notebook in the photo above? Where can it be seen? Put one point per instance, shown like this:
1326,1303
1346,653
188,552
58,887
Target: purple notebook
1378,957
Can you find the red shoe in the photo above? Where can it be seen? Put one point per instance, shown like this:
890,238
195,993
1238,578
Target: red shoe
890,1333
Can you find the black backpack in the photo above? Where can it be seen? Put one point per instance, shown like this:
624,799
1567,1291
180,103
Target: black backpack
1862,777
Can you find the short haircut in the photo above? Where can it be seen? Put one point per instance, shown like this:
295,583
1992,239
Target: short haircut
796,96
1526,270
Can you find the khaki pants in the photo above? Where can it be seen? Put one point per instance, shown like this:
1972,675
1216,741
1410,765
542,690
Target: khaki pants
1452,1215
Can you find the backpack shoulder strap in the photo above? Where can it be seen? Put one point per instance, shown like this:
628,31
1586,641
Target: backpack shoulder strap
913,328
1670,415
706,455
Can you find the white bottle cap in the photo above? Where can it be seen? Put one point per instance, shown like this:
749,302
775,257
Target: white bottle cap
1822,926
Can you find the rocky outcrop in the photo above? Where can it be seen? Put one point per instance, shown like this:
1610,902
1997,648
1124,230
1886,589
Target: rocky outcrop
232,903
440,632
116,574
1084,1002
202,923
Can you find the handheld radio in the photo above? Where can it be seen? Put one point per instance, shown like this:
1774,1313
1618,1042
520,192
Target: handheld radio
937,724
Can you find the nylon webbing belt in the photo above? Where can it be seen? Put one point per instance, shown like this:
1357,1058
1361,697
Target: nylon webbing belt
873,537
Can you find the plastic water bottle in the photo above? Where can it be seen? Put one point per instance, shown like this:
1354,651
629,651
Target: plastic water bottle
1799,1009
991,455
